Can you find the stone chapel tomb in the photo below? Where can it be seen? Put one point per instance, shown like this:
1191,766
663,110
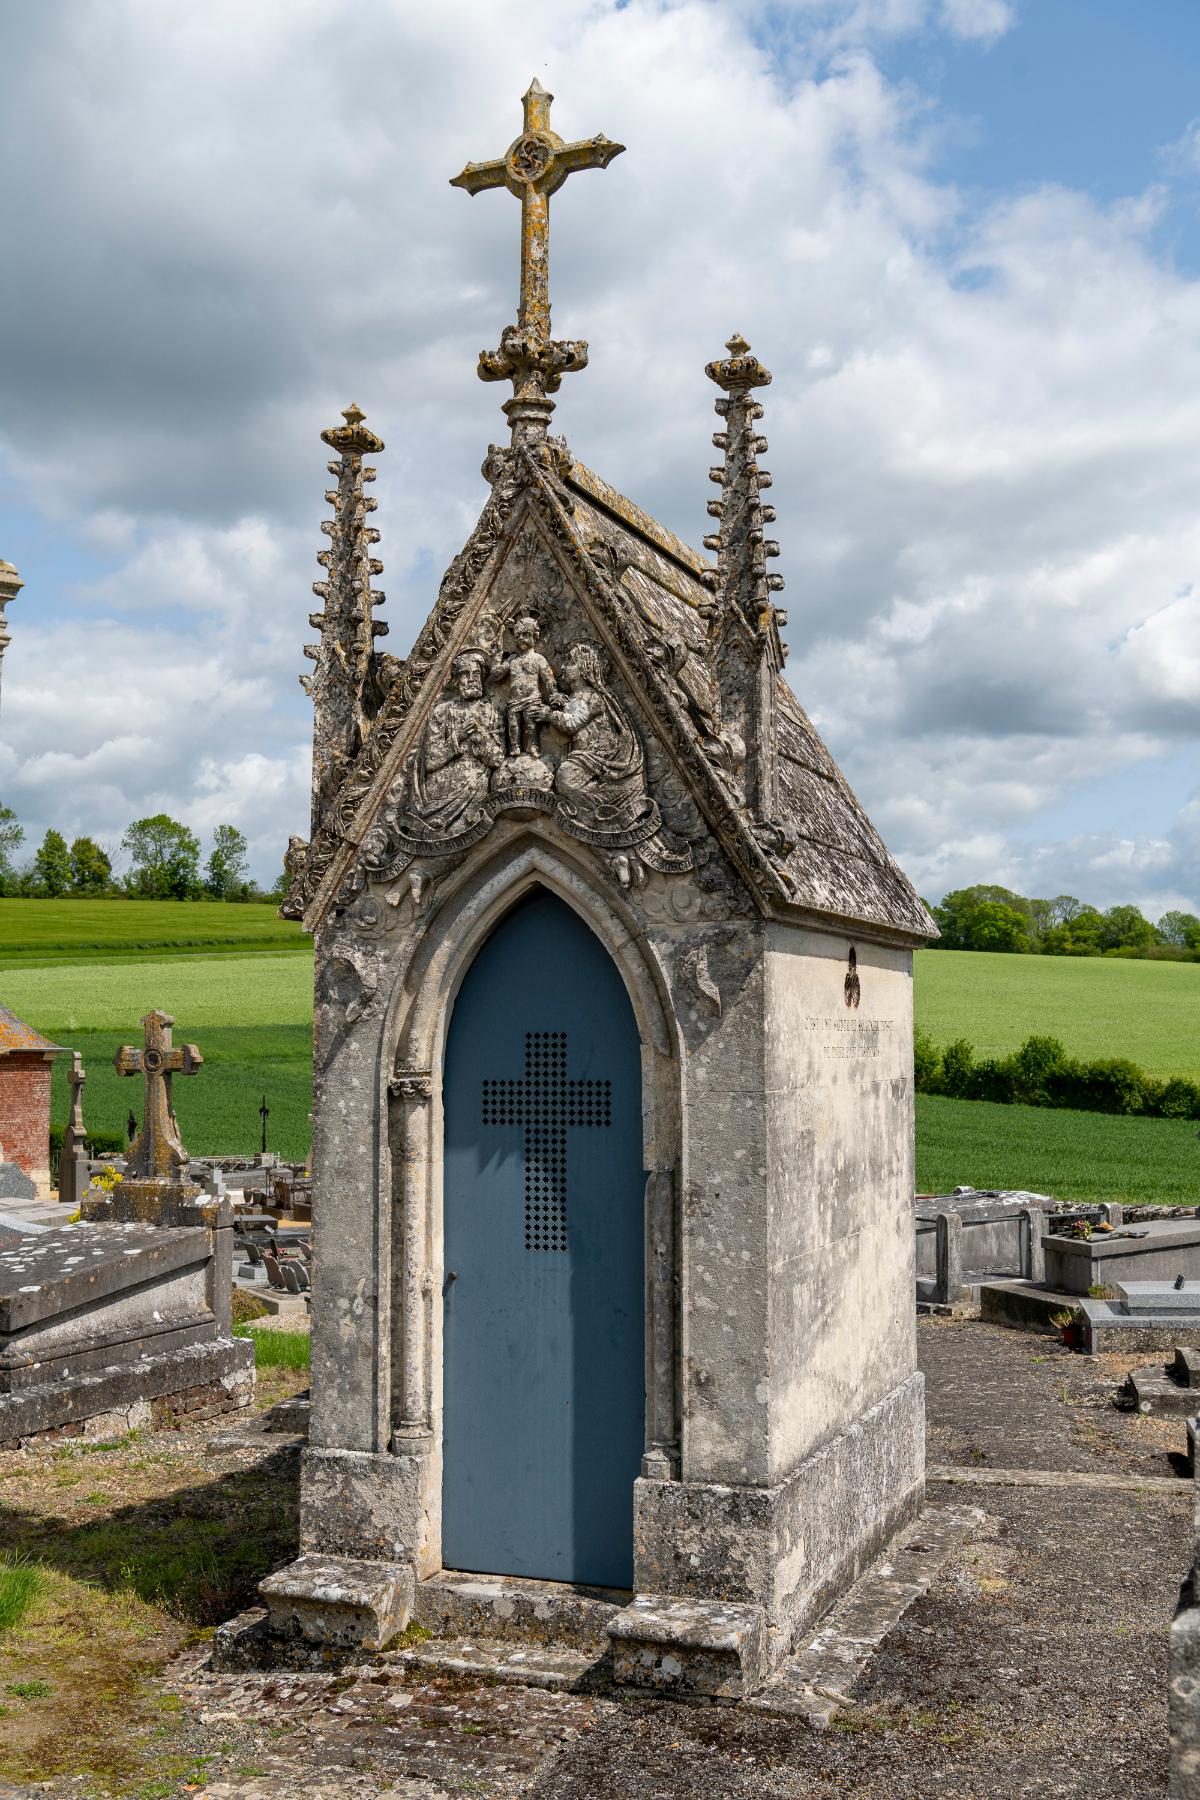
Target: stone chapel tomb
613,1152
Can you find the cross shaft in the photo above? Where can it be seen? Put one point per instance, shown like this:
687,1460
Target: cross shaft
534,166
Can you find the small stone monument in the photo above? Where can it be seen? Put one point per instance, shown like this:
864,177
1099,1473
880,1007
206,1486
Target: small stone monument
74,1174
613,1145
157,1189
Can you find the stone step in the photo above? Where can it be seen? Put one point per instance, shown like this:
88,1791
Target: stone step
1155,1390
451,1605
563,1667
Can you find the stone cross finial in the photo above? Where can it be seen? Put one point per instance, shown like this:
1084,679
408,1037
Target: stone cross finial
534,166
157,1150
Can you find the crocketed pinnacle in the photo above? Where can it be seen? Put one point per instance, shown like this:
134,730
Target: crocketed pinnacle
342,684
743,583
745,625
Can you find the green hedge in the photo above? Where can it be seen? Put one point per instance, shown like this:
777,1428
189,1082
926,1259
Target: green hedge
99,1143
1041,1073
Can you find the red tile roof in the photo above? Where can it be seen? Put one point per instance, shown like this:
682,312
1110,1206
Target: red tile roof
16,1035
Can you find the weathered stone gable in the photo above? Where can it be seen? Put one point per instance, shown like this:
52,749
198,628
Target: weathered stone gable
556,543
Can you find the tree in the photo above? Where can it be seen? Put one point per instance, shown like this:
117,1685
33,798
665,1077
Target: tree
11,839
1181,929
91,870
225,870
1124,928
164,859
1065,907
969,914
52,865
994,926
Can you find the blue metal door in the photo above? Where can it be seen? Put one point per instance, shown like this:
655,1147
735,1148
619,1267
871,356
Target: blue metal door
544,1385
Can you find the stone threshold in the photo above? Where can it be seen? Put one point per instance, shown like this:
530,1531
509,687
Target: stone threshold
815,1682
812,1684
1062,1478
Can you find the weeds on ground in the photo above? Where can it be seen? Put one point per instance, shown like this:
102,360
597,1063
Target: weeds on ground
20,1581
277,1349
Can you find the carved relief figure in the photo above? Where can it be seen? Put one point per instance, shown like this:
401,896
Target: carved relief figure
602,776
531,687
450,773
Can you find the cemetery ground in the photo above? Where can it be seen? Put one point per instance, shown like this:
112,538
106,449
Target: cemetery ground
1035,1665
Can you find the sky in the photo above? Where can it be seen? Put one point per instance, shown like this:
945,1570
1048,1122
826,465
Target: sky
963,234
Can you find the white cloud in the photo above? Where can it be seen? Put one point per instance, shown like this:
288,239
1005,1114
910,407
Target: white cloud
982,432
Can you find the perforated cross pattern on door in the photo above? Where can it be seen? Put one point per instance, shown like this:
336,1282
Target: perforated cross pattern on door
545,1101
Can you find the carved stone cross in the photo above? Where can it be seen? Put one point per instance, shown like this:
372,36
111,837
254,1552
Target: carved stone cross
75,1135
534,166
544,1102
157,1150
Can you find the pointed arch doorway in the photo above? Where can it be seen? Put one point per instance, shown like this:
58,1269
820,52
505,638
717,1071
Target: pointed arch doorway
544,1324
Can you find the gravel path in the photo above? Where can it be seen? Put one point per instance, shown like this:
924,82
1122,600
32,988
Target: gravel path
1035,1666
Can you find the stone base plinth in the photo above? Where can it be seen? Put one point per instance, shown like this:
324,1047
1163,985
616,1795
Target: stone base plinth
200,1381
341,1602
691,1649
380,1507
793,1548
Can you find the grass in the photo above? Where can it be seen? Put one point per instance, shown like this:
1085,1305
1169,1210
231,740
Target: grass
1070,1155
19,1585
1098,1006
251,1016
277,1349
53,931
160,1548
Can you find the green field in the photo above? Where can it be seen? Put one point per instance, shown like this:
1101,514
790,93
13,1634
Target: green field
58,931
238,980
1069,1155
1097,1005
239,983
250,1014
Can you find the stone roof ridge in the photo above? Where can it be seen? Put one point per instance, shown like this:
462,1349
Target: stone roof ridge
633,518
15,1035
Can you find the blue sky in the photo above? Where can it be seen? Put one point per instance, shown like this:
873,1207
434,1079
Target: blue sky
964,235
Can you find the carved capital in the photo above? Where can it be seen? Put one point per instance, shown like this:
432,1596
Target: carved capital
411,1084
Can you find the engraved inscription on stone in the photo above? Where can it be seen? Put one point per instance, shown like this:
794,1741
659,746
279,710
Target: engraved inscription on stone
848,1040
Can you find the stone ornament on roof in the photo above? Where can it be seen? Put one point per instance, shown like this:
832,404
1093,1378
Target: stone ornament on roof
534,166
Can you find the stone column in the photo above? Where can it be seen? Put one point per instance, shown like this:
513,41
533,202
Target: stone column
949,1257
414,1090
661,1461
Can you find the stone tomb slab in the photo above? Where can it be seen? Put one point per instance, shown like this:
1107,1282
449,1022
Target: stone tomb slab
1157,1251
106,1326
87,1295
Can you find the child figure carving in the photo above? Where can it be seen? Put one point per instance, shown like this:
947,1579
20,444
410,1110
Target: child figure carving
531,691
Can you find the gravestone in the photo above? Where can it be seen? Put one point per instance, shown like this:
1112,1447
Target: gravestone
74,1172
157,1188
613,1127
